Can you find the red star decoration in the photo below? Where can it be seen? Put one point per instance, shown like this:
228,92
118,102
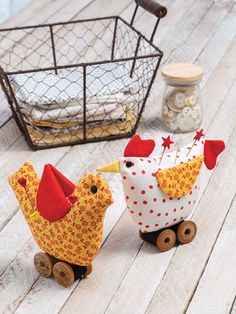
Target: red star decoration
198,135
167,142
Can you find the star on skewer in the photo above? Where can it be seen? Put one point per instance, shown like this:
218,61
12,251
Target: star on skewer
166,144
197,137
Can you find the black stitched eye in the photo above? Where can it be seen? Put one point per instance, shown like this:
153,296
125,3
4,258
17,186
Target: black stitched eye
128,164
94,189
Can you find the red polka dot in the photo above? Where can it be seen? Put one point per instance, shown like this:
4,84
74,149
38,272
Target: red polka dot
144,231
147,226
166,214
164,200
135,203
140,214
167,223
140,223
174,209
181,218
170,198
178,198
151,211
174,219
132,212
143,172
134,173
149,161
150,186
189,202
124,177
127,197
143,192
145,202
182,207
153,174
132,187
159,214
191,192
154,200
141,159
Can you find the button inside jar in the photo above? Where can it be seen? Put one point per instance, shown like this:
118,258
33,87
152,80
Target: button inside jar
182,103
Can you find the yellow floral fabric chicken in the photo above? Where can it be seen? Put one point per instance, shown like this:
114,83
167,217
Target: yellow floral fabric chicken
65,220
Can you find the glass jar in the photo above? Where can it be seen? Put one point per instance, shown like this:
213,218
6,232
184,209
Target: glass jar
182,102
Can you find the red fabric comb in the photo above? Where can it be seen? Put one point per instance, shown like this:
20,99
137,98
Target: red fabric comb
72,198
212,149
52,194
138,147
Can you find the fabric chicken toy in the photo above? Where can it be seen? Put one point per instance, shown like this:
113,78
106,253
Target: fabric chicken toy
65,220
161,191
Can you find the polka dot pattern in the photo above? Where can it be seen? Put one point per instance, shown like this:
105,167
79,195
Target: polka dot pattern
153,209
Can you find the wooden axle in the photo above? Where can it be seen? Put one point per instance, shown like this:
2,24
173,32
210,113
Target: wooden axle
64,273
165,239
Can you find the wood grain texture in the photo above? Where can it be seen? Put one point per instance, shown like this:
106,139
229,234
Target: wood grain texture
216,289
202,31
209,217
137,272
160,266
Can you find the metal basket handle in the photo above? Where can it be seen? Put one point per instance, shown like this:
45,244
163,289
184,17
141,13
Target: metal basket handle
154,8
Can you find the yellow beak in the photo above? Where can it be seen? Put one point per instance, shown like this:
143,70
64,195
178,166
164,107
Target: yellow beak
113,167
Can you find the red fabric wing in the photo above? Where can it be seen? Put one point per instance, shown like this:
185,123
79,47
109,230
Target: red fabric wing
138,147
212,149
52,194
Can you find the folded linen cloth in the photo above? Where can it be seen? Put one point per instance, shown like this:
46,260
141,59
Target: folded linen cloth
118,128
114,107
50,91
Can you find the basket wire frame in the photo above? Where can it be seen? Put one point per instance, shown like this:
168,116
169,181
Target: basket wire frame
77,82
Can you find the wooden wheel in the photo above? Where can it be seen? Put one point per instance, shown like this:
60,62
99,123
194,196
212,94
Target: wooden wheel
166,240
141,235
64,274
186,231
89,270
43,263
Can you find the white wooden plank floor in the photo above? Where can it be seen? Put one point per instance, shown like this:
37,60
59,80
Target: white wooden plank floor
130,276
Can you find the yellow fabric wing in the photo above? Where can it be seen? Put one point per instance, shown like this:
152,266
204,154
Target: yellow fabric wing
177,181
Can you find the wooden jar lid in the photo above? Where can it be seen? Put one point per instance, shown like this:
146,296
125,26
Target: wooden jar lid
182,72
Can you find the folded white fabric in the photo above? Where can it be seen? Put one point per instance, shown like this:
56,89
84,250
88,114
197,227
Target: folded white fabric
50,91
114,108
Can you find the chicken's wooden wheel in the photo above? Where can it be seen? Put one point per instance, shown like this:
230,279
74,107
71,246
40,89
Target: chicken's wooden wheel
64,274
186,231
89,270
43,263
166,240
141,235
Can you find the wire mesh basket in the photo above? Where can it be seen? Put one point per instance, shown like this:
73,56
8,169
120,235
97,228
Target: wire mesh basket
77,82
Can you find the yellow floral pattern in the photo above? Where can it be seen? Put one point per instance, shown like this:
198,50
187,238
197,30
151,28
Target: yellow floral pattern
177,181
77,237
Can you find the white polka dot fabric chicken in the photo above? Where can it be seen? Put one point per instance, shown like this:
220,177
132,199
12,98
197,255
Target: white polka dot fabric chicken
161,191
